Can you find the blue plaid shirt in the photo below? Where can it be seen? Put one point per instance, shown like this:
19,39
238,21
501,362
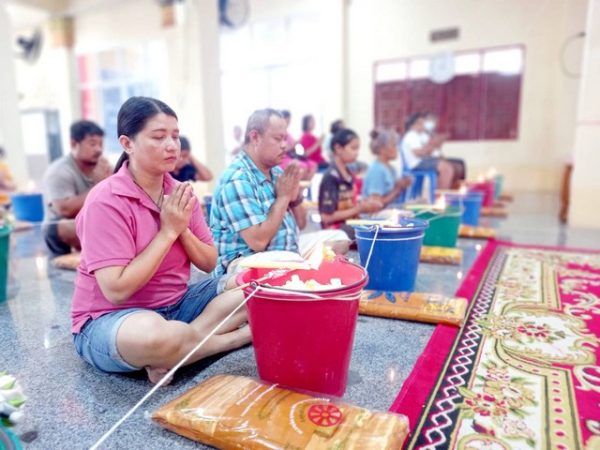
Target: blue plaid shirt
242,199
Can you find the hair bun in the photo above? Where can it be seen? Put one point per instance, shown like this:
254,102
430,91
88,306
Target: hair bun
374,134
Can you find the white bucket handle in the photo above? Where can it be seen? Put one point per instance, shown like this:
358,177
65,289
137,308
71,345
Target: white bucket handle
308,296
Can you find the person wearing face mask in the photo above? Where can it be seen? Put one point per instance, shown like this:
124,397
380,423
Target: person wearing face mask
417,151
430,125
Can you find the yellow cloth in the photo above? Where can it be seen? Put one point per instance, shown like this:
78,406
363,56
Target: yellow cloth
69,262
233,412
468,231
417,306
441,255
494,211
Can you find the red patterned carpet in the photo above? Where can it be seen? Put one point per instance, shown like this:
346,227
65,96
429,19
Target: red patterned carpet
524,371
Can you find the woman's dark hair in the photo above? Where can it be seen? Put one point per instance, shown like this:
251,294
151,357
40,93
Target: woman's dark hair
412,119
342,138
285,114
306,122
134,114
185,143
336,126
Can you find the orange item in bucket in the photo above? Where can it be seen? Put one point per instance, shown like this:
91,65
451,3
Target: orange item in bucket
231,412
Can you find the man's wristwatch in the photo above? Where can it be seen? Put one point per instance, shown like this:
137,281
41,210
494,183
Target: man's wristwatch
297,202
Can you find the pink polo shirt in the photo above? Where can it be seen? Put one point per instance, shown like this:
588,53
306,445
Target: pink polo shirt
116,223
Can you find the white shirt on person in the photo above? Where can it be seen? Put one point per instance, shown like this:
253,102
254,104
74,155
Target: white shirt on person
413,140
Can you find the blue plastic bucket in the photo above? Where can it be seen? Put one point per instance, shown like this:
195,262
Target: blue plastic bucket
396,252
28,207
471,203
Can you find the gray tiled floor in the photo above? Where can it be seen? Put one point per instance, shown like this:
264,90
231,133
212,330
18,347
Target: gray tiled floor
70,405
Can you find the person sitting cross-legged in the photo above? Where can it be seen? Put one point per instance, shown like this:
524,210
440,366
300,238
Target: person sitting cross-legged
140,229
257,206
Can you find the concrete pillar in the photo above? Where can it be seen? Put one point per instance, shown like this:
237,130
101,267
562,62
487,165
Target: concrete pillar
585,182
10,118
196,82
332,23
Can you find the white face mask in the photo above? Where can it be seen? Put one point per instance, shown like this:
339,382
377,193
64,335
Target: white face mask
429,125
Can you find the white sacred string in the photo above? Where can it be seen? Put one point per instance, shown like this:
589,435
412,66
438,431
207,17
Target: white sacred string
171,372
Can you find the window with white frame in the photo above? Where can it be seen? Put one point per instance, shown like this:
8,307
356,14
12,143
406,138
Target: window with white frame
108,78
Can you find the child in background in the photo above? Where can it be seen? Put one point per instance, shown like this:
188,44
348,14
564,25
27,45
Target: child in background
337,202
380,182
189,168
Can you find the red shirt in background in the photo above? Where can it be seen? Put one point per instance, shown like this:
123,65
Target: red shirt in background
308,140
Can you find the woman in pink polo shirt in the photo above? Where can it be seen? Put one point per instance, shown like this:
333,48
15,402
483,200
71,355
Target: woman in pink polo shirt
139,231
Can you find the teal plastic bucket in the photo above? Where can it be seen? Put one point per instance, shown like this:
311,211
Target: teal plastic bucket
471,205
443,225
8,441
4,260
28,207
392,254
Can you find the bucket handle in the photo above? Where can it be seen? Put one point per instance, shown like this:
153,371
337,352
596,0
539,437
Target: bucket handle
311,296
372,247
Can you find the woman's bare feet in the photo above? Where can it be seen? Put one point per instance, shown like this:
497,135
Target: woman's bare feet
155,374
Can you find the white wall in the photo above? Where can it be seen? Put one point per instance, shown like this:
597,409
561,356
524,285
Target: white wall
356,33
384,29
191,68
10,124
585,183
328,99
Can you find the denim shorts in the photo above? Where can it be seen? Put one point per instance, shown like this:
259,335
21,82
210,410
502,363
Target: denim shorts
427,164
96,343
54,242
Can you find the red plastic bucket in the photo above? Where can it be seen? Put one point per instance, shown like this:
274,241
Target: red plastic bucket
303,339
487,187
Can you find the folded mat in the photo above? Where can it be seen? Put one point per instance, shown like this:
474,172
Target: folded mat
417,306
232,412
494,211
69,262
20,225
468,231
441,255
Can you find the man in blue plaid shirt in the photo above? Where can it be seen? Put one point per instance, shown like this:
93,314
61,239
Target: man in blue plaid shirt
257,206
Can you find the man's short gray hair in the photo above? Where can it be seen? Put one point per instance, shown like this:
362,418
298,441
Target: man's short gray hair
259,121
